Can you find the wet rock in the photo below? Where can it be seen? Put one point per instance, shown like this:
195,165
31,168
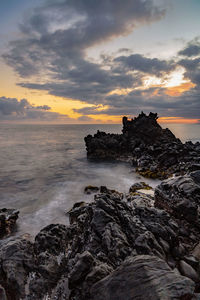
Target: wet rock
140,199
143,277
82,267
196,251
192,261
155,152
188,271
17,260
8,218
112,193
61,291
2,293
98,272
139,186
91,189
180,196
112,238
53,239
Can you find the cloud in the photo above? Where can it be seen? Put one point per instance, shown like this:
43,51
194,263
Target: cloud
9,106
192,69
192,49
22,110
51,55
64,29
137,62
45,107
85,119
185,106
56,36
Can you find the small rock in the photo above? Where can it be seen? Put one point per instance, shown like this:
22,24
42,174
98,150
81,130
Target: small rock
8,218
91,189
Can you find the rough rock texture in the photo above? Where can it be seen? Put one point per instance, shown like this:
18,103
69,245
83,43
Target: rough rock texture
101,247
153,151
16,257
180,196
91,189
143,277
8,218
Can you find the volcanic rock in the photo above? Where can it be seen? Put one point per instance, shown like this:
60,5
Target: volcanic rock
8,218
143,277
153,151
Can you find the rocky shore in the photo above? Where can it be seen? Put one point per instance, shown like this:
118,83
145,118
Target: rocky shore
153,151
144,245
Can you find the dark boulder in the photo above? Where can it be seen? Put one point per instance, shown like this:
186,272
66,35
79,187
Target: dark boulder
17,260
91,189
180,196
143,277
8,218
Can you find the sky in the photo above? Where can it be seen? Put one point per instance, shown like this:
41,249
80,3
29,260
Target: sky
93,61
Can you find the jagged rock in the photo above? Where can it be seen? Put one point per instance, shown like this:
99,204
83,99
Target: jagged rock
8,218
2,294
139,186
192,261
196,251
140,199
91,189
53,239
143,277
180,196
103,236
82,267
112,193
61,291
155,152
188,271
17,260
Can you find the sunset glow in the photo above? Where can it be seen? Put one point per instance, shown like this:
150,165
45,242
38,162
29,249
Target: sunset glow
131,61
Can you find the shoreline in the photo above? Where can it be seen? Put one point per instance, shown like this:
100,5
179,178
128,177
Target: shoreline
111,238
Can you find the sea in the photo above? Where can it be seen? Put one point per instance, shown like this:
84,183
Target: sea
44,170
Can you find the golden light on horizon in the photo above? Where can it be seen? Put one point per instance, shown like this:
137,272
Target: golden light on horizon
177,120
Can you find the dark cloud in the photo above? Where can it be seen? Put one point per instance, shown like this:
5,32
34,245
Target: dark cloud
64,29
137,62
192,49
22,110
45,107
56,36
9,106
185,106
51,55
192,69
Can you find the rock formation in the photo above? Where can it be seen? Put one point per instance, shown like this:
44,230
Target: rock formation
114,248
138,246
153,151
8,218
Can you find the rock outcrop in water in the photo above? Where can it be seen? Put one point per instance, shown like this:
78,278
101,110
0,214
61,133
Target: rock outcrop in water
114,248
139,246
153,151
8,218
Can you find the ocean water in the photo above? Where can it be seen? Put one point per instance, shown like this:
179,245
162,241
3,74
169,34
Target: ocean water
44,169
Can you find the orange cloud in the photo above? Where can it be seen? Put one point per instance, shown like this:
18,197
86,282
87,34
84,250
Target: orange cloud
177,120
176,91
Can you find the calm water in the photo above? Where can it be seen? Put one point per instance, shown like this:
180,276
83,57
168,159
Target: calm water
43,170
